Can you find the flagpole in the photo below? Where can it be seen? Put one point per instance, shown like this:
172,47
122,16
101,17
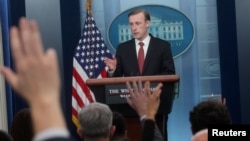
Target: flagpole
87,63
88,7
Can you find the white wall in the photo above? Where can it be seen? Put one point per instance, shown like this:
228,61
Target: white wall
3,107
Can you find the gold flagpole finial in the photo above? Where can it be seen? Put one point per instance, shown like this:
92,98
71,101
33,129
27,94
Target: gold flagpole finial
88,6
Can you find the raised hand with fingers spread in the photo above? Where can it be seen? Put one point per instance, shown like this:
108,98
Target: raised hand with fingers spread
36,78
36,75
153,100
146,103
138,97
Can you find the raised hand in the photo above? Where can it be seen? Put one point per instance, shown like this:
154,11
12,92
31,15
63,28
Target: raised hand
36,72
138,97
153,101
36,76
143,100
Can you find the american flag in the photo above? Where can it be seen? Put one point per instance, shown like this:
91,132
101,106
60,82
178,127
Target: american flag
87,63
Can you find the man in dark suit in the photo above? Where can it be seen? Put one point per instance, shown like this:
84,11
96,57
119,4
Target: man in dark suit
155,53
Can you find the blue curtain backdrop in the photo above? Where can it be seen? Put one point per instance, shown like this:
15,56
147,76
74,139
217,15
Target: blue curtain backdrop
4,8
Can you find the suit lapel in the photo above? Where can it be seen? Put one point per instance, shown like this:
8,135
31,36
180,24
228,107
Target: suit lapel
133,53
134,56
149,54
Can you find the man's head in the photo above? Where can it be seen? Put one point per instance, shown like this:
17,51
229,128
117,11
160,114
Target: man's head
201,135
208,113
120,126
139,21
95,121
21,127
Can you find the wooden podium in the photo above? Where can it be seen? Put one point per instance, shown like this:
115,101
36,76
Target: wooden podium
112,91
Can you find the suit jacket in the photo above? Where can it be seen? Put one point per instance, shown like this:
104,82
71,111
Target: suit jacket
150,131
158,59
60,139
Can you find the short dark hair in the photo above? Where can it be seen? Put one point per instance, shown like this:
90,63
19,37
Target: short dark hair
4,136
137,10
208,113
21,126
120,124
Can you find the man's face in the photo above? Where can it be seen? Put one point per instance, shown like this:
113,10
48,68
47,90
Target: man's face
139,26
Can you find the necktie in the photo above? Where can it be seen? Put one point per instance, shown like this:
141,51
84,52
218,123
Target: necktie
141,56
